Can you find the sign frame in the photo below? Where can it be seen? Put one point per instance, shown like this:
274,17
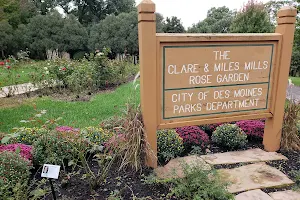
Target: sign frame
150,72
223,40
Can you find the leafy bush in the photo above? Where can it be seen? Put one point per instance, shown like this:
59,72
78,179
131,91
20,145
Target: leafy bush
210,128
28,135
14,172
25,150
193,136
82,80
253,128
229,136
96,135
58,148
169,145
79,55
60,70
199,184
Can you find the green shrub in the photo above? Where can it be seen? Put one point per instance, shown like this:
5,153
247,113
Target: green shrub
229,136
169,144
79,55
95,135
58,148
82,77
199,184
28,135
14,175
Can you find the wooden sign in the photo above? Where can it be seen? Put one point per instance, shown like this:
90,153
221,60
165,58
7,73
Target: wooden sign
194,79
216,79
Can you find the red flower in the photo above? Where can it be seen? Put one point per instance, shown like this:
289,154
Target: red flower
7,60
8,67
2,63
64,69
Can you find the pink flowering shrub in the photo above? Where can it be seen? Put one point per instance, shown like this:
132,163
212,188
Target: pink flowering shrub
193,136
254,128
25,150
67,129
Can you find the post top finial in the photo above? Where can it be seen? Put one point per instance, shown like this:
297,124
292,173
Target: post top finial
287,11
146,6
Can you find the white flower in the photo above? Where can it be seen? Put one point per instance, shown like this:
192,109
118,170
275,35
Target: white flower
46,68
22,71
47,72
44,111
290,82
38,115
48,64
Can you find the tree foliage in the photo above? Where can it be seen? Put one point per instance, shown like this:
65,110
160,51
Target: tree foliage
173,25
253,18
51,31
119,33
16,12
91,11
6,37
218,20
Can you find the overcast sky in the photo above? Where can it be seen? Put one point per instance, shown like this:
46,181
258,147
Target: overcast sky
192,11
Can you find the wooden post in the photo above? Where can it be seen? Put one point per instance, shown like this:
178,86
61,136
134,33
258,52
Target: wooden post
147,49
286,27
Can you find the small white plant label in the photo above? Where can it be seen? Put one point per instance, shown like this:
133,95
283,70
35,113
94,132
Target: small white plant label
50,171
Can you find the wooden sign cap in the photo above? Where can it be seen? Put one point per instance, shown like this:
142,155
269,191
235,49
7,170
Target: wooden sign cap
287,11
146,6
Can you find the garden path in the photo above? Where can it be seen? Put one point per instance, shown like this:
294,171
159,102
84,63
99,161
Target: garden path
293,92
243,176
17,89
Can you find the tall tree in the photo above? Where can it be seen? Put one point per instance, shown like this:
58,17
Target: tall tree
16,11
6,38
45,6
51,32
173,25
119,33
159,23
253,18
273,7
218,20
93,11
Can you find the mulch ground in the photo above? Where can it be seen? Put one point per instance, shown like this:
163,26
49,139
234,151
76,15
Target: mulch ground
129,184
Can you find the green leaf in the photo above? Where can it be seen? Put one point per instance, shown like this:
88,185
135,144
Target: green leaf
18,150
71,162
36,194
5,140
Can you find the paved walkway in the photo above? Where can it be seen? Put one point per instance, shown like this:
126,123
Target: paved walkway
293,92
248,179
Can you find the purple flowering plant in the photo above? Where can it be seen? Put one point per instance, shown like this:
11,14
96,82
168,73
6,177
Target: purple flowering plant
193,136
253,128
25,150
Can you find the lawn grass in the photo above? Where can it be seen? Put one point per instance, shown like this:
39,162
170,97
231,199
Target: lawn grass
296,80
18,74
76,114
